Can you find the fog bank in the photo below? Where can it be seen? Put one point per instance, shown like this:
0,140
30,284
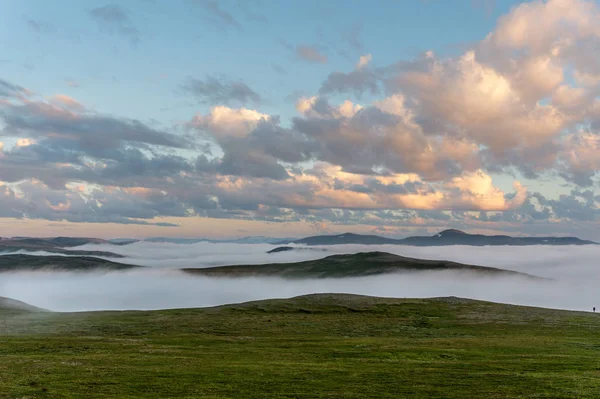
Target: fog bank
576,271
158,289
561,262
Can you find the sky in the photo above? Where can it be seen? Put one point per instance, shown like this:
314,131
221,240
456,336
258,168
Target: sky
236,118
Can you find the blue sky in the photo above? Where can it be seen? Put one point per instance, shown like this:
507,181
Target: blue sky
139,79
137,61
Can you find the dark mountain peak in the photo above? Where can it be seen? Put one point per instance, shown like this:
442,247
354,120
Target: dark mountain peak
450,232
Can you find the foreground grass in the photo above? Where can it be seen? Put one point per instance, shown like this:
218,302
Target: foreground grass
327,346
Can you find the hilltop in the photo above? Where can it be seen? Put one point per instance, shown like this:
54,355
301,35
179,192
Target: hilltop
348,265
446,237
20,262
336,345
334,266
14,306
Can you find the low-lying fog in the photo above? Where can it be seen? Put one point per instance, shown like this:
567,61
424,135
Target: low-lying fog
575,269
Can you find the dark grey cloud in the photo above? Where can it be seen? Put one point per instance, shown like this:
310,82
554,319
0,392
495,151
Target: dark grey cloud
91,131
578,205
220,90
259,153
114,19
310,54
251,164
218,15
356,82
9,90
371,139
374,186
40,26
37,201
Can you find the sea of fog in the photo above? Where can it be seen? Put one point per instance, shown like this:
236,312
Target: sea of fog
575,271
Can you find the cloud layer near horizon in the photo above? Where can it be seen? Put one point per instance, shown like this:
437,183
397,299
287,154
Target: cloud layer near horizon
573,268
426,149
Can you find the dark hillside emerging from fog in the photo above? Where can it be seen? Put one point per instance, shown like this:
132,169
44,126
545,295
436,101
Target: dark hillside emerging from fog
13,263
352,265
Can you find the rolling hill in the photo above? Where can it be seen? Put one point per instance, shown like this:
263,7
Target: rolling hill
327,345
352,265
12,305
12,263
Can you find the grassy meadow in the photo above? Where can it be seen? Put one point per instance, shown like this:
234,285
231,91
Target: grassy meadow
317,346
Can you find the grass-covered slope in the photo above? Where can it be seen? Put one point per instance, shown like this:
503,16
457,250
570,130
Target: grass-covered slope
318,346
11,263
351,265
8,305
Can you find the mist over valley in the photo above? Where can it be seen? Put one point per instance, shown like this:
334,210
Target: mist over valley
573,271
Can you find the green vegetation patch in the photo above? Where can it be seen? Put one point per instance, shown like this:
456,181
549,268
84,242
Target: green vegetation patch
318,346
350,265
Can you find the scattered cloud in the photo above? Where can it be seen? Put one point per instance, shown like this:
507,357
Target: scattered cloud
218,15
220,90
310,54
9,90
424,142
363,61
39,26
352,37
114,19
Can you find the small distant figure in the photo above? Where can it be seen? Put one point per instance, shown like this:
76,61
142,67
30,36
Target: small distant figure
594,309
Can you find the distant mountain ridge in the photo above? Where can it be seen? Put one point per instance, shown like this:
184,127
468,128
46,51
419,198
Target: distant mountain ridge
446,237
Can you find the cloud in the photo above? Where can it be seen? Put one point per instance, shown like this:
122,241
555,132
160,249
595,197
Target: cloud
356,82
368,139
218,15
220,90
580,157
41,27
310,54
10,90
352,37
65,120
114,19
253,143
426,142
62,100
35,200
363,61
574,272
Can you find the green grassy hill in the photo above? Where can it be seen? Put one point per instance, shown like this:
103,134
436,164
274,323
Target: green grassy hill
8,305
316,346
350,265
11,263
